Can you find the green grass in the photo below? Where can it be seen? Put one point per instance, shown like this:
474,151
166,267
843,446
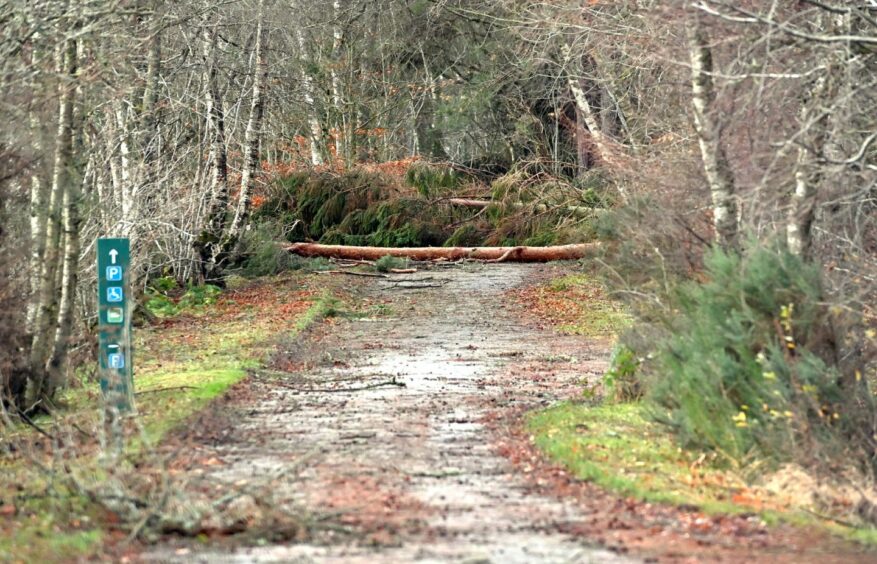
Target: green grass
618,448
47,543
326,305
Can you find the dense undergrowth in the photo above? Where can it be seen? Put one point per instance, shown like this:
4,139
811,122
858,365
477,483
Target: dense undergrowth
756,369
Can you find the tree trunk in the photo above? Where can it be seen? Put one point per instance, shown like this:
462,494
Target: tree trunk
38,223
430,142
253,134
342,139
69,279
511,254
316,130
802,207
150,137
602,145
715,161
41,390
126,187
209,242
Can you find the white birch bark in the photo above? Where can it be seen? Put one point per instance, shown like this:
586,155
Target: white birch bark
715,162
602,143
126,188
316,130
253,133
38,222
343,140
40,389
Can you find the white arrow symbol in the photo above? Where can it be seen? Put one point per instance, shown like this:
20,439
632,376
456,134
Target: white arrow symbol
113,254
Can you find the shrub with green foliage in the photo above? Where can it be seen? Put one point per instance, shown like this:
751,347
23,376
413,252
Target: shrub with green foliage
751,370
262,256
388,263
622,382
432,180
161,303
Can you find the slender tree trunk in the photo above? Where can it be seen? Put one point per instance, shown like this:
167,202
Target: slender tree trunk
342,139
38,223
586,111
209,242
715,162
316,130
253,133
602,145
126,186
802,207
149,137
40,389
430,141
69,279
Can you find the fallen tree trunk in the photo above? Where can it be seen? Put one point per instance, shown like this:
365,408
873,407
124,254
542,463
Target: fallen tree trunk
496,254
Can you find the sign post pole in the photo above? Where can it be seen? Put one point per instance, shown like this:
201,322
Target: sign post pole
114,324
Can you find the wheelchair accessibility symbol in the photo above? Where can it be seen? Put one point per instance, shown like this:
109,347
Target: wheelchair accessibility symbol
114,294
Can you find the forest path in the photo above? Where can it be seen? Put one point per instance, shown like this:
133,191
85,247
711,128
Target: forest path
413,470
438,469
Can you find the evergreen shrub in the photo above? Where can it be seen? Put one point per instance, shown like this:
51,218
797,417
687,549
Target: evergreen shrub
622,381
750,370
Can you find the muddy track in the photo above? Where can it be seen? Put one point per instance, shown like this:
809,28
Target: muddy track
386,432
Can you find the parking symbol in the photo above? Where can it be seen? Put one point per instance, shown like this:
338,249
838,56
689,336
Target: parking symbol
116,360
114,294
114,273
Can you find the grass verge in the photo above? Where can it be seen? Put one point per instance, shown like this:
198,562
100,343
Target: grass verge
617,447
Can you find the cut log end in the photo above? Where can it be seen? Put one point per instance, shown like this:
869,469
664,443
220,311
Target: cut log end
492,254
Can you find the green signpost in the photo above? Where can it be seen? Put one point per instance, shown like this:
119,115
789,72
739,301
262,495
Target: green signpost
114,322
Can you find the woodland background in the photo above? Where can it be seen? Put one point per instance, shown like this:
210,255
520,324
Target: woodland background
723,153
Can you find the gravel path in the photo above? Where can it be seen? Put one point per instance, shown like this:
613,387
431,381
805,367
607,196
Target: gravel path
411,468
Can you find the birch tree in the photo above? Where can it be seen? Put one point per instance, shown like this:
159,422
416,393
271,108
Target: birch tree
253,134
44,382
209,243
716,167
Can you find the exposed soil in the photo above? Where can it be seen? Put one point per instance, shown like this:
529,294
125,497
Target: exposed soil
438,468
